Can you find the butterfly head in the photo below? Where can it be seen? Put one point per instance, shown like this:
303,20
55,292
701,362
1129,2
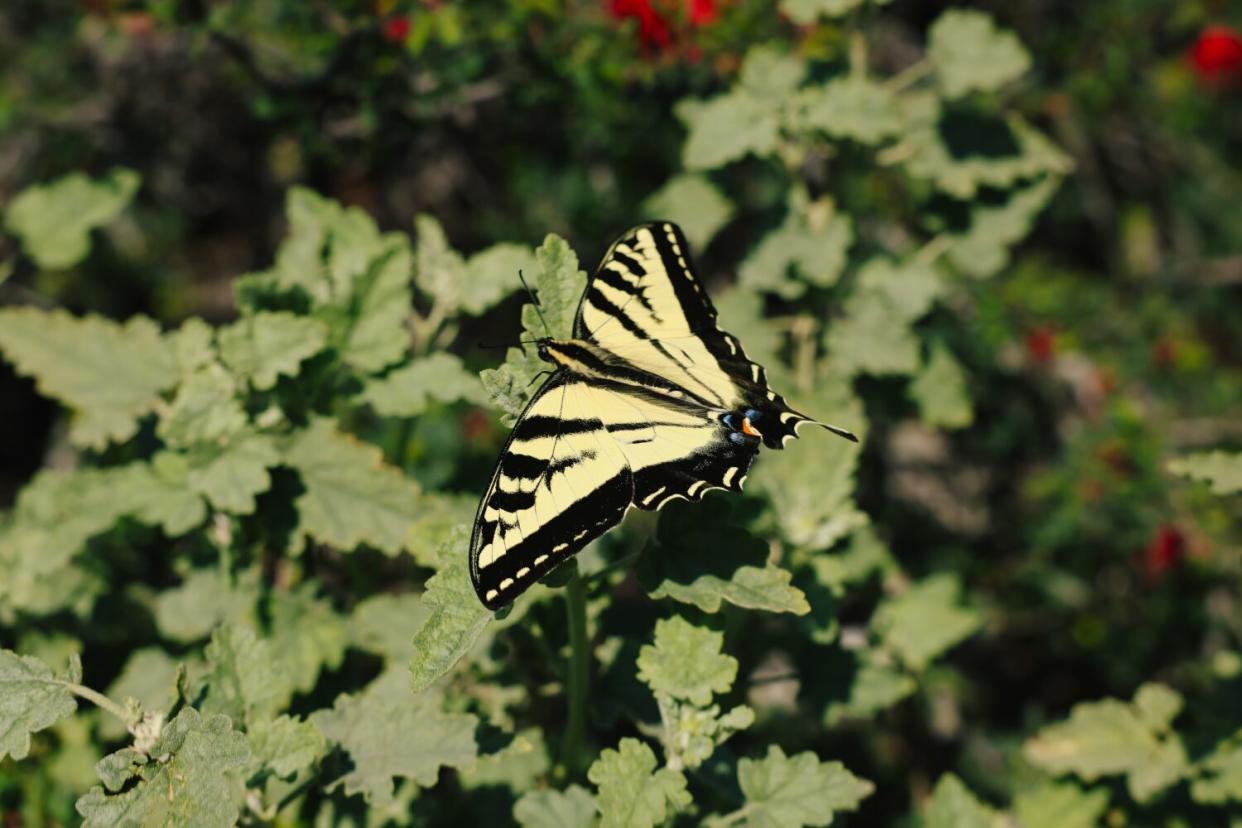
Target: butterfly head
541,345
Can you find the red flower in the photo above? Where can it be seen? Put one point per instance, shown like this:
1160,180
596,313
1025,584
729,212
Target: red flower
702,12
1040,344
1217,55
1165,551
396,29
653,30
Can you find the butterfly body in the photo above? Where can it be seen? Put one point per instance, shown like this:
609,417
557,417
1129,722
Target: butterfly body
648,401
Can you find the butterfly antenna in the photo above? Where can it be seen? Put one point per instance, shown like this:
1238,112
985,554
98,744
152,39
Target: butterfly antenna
534,300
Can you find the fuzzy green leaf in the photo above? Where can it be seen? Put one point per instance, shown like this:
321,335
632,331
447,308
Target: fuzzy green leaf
192,778
307,636
264,346
159,493
406,391
792,791
109,374
864,554
940,391
285,745
492,274
692,734
190,612
686,662
352,496
232,475
1220,776
385,624
926,620
390,732
32,698
877,685
1060,805
205,409
521,765
457,618
952,805
804,12
54,220
1223,470
573,807
694,203
970,53
1112,737
850,107
242,678
983,248
439,271
149,677
812,244
632,793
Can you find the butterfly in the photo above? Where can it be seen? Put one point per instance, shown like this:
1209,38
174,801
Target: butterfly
649,401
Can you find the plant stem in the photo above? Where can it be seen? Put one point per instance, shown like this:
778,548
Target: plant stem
99,700
578,672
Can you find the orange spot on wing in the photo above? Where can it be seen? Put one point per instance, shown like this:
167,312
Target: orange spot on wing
747,428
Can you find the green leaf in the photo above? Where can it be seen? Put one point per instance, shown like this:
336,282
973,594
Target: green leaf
1220,774
746,119
54,220
694,203
632,793
877,685
1111,737
952,805
864,554
190,612
692,734
704,558
926,620
983,249
492,274
812,244
573,807
205,409
961,152
457,618
232,475
285,745
940,391
804,12
32,698
352,496
559,285
190,777
406,391
242,680
261,347
159,493
193,346
519,765
1060,805
969,53
850,107
439,271
390,732
109,374
686,662
912,287
307,636
1223,470
385,624
792,791
439,514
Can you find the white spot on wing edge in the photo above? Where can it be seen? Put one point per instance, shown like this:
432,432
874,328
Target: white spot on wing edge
491,594
785,440
543,558
695,487
506,583
741,484
728,475
786,416
647,500
521,573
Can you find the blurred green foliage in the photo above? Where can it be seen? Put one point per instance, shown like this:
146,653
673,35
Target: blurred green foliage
248,419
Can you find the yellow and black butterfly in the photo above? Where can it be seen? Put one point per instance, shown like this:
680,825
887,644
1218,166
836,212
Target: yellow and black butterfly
649,401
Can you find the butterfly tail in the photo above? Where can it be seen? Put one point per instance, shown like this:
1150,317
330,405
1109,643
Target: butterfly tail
790,421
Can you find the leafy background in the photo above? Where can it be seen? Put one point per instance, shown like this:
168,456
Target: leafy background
250,251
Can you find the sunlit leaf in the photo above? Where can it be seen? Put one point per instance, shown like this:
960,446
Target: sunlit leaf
351,496
939,388
926,620
457,617
952,805
109,374
850,107
205,409
390,732
686,662
983,248
406,391
54,220
230,476
694,203
573,807
191,776
264,346
632,793
492,274
1223,470
307,635
1220,778
807,11
811,245
190,611
970,53
792,791
1060,805
32,698
285,745
242,679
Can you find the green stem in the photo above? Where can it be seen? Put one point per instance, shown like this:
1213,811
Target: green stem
579,672
99,700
